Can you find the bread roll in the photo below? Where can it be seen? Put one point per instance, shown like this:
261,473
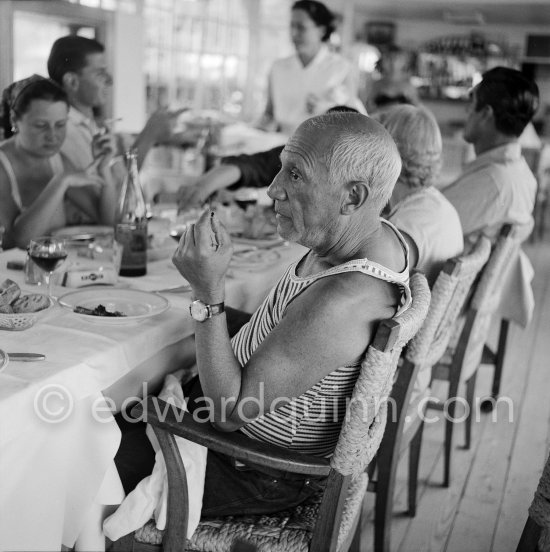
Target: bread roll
9,292
33,302
6,309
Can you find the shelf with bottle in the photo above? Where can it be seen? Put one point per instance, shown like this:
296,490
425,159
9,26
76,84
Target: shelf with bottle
447,67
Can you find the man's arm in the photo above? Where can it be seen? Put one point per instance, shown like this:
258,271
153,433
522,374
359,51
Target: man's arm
297,354
157,130
256,170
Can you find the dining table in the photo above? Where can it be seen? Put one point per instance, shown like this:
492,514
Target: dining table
58,435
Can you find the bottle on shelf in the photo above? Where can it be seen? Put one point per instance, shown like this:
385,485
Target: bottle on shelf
131,226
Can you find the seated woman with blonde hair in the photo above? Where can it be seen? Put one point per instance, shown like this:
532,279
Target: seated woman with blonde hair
426,219
40,190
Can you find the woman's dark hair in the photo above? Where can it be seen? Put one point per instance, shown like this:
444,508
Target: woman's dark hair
17,98
513,98
68,55
319,13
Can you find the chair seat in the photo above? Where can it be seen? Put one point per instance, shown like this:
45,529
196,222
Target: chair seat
289,530
286,531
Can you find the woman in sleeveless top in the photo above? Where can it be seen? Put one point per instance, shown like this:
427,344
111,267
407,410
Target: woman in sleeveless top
285,377
427,220
40,190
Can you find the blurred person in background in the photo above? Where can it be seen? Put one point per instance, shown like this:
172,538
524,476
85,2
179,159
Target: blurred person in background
79,66
394,87
425,218
41,190
314,78
497,187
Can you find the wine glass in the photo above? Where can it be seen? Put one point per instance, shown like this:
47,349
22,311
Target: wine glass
182,222
244,197
48,253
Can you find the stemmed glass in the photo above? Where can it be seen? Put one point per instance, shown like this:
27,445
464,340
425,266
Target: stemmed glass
178,227
48,253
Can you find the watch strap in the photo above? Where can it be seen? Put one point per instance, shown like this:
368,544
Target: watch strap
218,308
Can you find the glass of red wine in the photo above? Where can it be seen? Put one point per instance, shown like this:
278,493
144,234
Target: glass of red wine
48,253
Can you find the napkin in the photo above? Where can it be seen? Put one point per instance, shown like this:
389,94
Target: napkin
150,497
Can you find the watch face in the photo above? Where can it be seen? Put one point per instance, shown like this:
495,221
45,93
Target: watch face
198,311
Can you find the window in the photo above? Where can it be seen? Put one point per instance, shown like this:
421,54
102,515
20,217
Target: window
212,54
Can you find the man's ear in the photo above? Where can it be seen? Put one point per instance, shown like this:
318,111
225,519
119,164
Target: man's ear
487,112
356,194
71,81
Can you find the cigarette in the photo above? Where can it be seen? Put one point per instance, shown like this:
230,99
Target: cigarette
215,242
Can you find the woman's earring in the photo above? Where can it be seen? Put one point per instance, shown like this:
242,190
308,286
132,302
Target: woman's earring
14,129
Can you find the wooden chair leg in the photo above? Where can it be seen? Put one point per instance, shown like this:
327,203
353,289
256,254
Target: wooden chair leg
498,361
383,509
355,545
500,353
529,537
544,205
414,461
449,427
470,392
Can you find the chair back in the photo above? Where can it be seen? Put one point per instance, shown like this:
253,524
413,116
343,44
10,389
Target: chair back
366,415
365,420
487,296
536,534
449,295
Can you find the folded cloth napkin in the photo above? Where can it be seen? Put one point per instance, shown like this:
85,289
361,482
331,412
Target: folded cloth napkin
150,496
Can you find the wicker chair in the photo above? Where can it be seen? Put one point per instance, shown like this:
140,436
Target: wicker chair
462,359
405,425
325,522
536,533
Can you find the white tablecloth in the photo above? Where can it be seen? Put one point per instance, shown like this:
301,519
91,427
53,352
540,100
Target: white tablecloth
57,436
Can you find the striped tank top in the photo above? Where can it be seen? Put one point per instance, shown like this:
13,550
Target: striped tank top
311,422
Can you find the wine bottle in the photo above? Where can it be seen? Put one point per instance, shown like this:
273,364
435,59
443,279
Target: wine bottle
131,227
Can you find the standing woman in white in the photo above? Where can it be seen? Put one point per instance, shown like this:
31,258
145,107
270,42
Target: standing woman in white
314,78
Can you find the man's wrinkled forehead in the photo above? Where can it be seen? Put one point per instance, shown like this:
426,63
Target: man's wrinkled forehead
309,145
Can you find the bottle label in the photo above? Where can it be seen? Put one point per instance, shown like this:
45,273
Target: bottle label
133,239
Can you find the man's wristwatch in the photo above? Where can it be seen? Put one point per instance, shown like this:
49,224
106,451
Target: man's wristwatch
201,311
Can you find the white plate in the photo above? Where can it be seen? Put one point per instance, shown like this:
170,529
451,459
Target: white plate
136,305
83,232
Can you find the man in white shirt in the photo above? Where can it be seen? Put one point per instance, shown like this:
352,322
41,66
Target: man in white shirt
79,66
497,187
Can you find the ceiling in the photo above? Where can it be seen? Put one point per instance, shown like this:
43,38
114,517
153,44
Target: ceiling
521,12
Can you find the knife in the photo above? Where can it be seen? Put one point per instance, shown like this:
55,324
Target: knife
25,357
